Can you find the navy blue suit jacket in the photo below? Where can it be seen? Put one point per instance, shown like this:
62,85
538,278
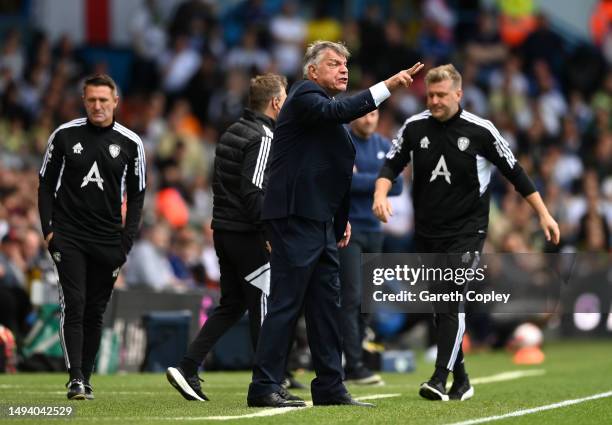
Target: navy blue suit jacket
312,155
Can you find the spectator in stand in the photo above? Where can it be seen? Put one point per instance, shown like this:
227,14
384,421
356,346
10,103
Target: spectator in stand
544,45
178,64
148,41
227,101
288,32
485,48
12,55
148,265
474,99
248,56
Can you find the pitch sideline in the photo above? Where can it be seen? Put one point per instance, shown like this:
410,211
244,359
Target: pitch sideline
275,411
524,412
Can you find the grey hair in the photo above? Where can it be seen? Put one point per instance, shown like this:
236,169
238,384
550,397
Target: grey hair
315,50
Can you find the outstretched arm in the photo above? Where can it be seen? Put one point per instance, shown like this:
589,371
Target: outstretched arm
314,107
497,150
404,77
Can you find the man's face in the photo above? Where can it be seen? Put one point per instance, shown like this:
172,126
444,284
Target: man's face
365,126
330,73
443,99
100,103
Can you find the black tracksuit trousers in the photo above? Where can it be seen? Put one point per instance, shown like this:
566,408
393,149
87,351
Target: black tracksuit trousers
449,317
245,268
87,272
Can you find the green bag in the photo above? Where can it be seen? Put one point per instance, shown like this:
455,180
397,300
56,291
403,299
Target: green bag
44,338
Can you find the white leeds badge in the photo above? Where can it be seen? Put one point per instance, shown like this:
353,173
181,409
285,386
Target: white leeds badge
114,150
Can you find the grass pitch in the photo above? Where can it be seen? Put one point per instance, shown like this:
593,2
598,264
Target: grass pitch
572,371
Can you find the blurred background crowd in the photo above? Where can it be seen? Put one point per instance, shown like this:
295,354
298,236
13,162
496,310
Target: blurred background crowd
185,79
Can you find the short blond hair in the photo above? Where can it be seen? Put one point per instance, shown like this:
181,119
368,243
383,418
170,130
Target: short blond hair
316,49
264,88
442,73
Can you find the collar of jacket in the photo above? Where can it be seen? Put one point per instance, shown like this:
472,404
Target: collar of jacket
251,115
94,127
310,85
452,119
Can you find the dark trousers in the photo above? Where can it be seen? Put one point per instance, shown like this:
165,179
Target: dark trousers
87,272
449,317
243,260
304,264
353,322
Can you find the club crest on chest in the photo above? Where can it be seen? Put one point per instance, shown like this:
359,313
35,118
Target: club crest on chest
463,143
114,150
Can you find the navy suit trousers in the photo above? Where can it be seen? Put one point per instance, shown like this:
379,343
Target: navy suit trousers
304,273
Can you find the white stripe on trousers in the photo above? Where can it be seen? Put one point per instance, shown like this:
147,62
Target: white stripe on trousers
461,325
62,319
458,341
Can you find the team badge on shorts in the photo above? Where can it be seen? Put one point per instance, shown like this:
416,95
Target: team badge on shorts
114,150
463,143
57,256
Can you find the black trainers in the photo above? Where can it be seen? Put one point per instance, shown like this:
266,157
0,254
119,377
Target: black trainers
89,395
288,396
433,390
76,390
188,386
461,390
363,376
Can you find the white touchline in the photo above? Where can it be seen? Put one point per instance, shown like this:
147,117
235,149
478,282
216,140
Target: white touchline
508,376
498,377
534,409
504,376
282,410
259,414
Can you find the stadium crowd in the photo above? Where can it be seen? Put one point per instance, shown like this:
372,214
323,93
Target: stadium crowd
551,97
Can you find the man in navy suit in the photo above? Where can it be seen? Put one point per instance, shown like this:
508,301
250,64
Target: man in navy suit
305,210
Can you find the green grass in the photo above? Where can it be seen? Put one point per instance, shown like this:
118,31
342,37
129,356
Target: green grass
573,370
